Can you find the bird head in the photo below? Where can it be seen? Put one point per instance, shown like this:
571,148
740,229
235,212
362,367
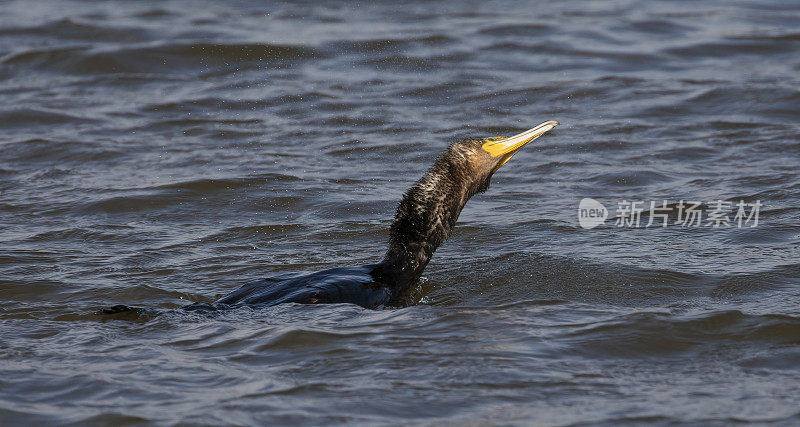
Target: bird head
485,156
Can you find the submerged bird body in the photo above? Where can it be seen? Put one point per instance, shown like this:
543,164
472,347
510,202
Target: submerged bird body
353,285
424,219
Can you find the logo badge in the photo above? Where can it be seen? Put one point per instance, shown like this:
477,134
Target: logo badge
591,213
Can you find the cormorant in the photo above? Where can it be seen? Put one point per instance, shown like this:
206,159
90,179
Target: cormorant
423,221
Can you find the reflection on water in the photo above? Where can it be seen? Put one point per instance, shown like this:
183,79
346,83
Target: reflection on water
157,154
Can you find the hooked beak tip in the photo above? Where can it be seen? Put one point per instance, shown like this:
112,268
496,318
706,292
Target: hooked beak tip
498,146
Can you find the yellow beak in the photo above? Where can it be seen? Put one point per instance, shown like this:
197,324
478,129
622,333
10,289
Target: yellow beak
498,145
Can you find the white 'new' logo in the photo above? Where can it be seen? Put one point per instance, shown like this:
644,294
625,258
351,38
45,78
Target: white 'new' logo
591,213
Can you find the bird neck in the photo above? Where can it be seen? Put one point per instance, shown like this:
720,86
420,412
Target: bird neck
424,219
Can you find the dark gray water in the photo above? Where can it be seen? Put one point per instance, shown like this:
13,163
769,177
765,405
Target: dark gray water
162,153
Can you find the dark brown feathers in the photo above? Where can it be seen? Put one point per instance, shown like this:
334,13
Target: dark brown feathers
430,209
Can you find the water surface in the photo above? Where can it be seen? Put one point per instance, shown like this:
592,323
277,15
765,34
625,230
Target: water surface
163,153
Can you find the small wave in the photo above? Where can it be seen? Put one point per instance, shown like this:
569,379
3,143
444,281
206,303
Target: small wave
165,58
557,278
198,192
686,153
725,105
38,117
517,30
406,63
517,96
69,152
657,334
82,235
238,52
449,90
233,234
307,340
783,276
727,49
155,13
759,181
223,104
657,27
68,29
634,178
723,96
130,203
792,37
777,359
357,122
206,185
388,45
